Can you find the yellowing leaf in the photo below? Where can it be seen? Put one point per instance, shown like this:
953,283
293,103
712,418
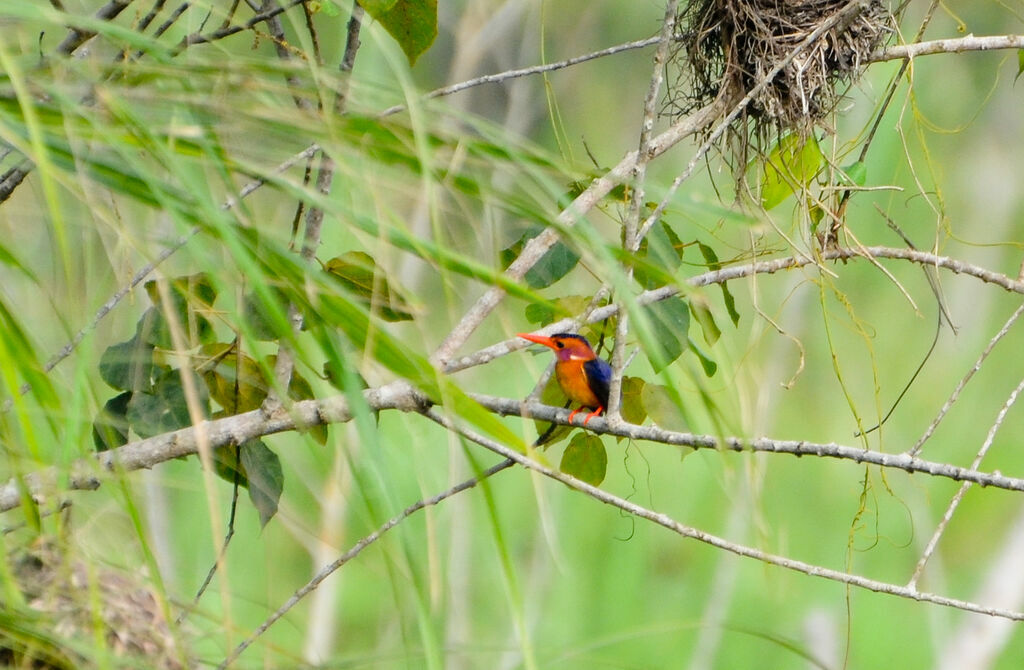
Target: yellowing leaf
358,272
236,388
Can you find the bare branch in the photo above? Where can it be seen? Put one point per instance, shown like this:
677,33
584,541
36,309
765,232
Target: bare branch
955,502
526,71
221,33
720,543
77,37
955,395
401,395
740,271
954,45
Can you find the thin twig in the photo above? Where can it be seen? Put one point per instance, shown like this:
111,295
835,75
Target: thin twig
221,33
363,543
77,37
955,45
633,236
955,502
739,272
966,378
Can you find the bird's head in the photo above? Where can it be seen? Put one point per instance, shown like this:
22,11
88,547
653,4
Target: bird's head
567,346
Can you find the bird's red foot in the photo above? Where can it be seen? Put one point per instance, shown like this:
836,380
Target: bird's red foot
587,417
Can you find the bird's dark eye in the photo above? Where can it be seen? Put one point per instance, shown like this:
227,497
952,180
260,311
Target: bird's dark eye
559,344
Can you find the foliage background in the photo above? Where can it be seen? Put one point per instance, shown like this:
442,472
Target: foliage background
519,571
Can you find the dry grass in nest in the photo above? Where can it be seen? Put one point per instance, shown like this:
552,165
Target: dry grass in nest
727,47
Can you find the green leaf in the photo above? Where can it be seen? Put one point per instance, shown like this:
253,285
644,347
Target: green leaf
663,250
585,459
670,322
225,462
552,266
711,259
661,407
413,23
359,274
542,314
263,471
856,173
552,395
632,406
164,409
699,308
329,8
110,428
129,366
1020,64
192,297
267,322
789,167
706,362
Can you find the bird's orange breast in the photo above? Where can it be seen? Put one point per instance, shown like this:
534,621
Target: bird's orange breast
573,380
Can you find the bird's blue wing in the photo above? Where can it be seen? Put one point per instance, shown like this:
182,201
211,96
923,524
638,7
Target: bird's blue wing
599,377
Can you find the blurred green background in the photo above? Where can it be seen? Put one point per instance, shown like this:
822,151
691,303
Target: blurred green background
522,571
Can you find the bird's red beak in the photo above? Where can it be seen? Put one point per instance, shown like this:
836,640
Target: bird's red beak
539,339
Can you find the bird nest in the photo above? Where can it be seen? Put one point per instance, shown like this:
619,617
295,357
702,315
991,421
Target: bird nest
728,48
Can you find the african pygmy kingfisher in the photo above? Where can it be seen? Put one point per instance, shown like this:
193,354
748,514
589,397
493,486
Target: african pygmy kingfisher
583,376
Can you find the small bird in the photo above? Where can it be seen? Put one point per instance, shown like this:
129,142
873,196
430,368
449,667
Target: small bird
583,376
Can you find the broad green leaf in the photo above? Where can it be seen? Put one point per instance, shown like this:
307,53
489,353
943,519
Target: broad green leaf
267,322
552,266
164,409
129,366
263,471
856,173
225,462
585,459
413,23
1020,64
358,272
663,250
542,314
670,321
661,408
790,166
711,259
632,406
110,429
